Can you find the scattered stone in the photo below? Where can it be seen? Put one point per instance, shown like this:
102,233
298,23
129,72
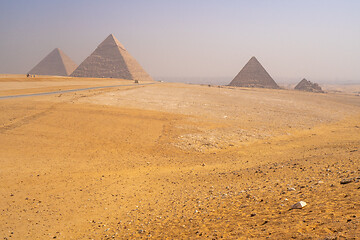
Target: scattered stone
291,189
299,205
253,215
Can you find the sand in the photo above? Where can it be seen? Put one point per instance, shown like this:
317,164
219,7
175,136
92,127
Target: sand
177,161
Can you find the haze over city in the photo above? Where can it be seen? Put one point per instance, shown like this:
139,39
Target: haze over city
192,40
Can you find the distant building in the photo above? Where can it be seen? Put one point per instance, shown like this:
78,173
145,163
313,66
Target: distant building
111,60
305,85
253,74
56,63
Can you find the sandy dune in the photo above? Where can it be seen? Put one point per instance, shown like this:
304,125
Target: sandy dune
176,161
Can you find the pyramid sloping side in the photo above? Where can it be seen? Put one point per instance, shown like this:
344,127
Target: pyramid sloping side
111,60
253,74
135,69
301,84
69,64
55,63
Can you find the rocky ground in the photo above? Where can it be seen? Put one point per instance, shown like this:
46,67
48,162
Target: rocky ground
176,161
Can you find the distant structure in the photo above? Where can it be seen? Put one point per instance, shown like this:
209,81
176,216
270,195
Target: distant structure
305,85
56,63
111,60
253,74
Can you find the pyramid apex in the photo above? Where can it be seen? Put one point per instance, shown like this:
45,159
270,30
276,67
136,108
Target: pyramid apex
56,50
304,80
111,36
111,41
253,58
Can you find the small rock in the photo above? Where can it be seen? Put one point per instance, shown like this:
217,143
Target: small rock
298,205
346,181
265,222
291,189
253,215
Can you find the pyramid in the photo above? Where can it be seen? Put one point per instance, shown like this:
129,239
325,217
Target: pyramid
111,60
56,63
305,85
253,74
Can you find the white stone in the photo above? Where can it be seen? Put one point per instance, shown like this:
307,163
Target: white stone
299,205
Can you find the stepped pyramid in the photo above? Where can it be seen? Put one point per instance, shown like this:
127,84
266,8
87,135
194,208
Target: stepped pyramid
111,60
56,63
305,85
253,74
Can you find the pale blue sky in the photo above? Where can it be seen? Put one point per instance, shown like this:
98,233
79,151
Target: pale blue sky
293,39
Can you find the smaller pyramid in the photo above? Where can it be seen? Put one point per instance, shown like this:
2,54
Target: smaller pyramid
253,74
305,85
56,63
111,60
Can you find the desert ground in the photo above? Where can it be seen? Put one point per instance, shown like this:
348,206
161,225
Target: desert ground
176,161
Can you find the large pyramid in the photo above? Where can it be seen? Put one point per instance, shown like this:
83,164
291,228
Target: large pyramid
253,74
111,60
305,85
56,63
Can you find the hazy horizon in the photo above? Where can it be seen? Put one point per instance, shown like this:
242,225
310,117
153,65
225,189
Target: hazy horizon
192,41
